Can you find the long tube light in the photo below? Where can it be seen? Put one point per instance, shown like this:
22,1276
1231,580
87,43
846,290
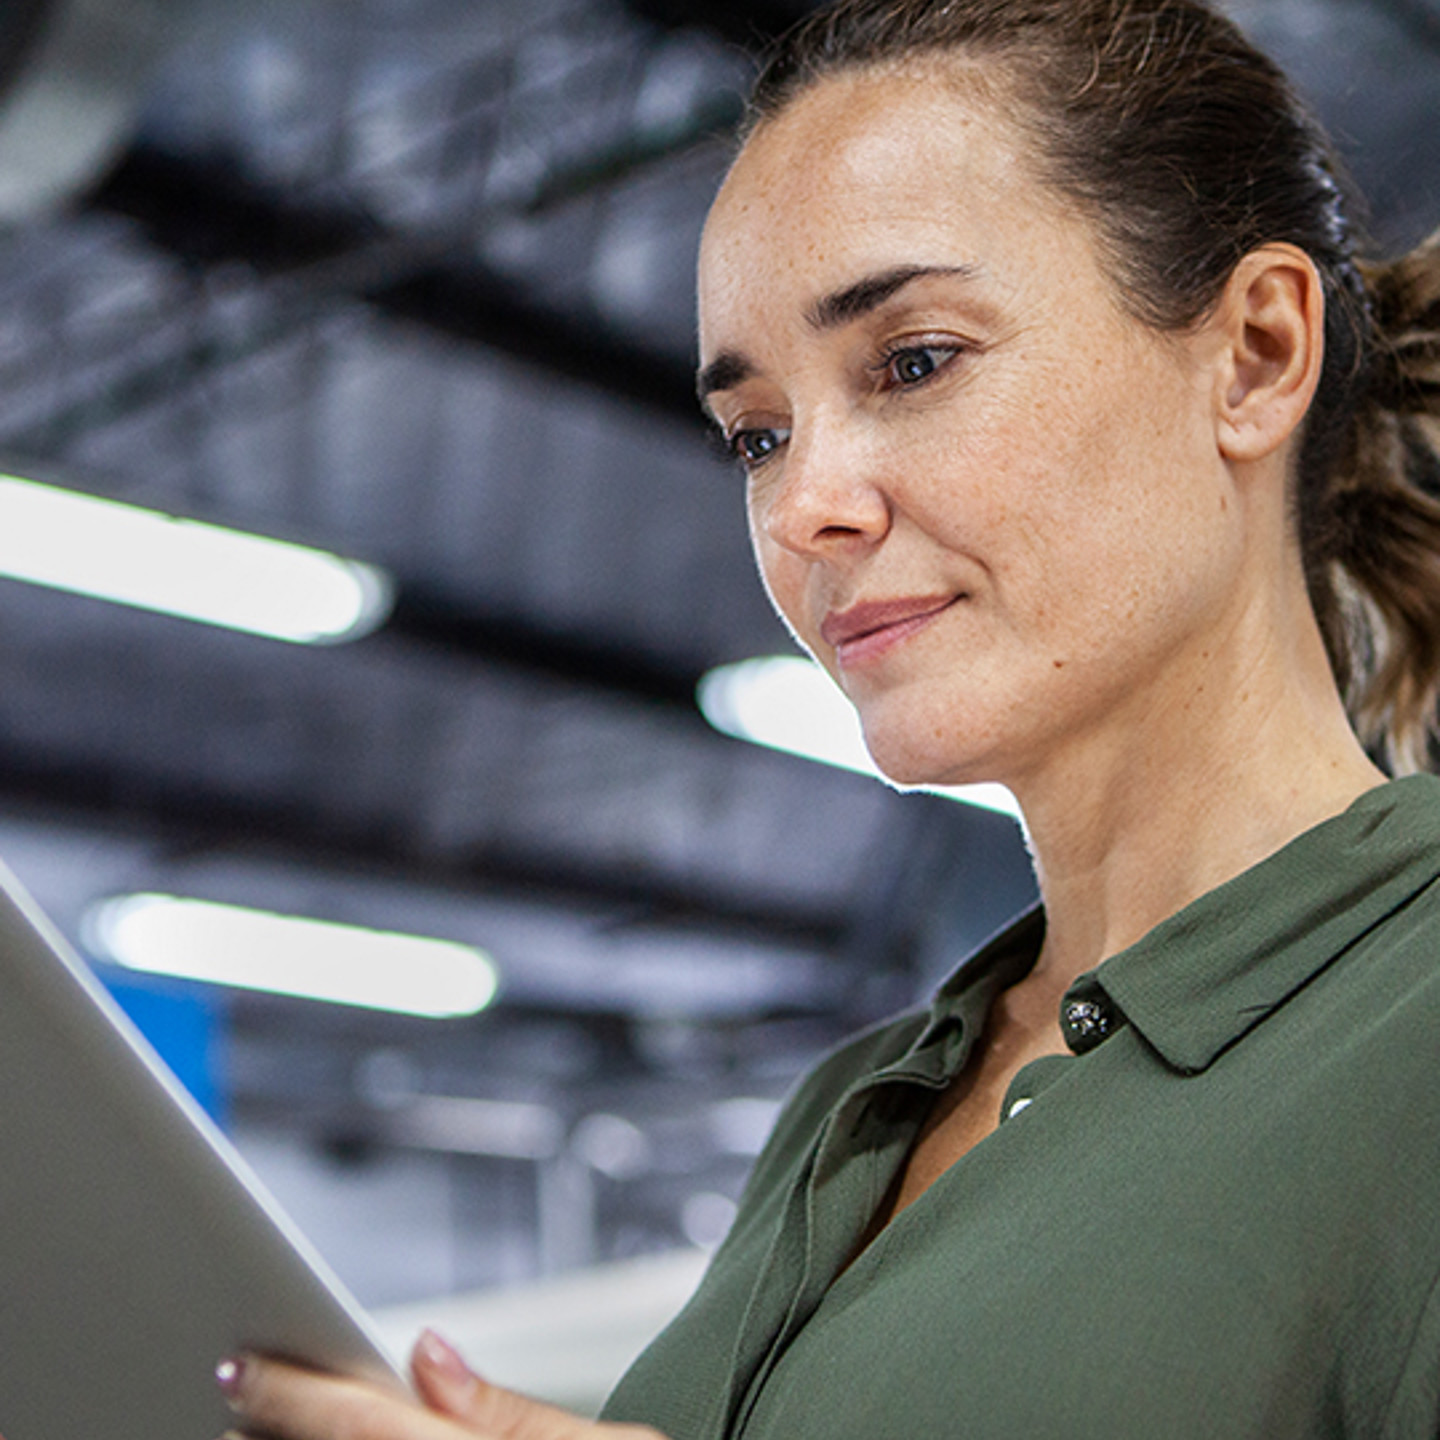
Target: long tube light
291,955
791,704
131,556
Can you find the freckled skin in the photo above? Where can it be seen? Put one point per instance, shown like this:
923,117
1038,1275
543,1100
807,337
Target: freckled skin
1090,515
1060,473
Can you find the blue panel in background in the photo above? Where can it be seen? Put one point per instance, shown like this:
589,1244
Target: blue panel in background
186,1025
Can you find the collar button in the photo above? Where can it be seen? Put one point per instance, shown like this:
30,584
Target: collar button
1086,1023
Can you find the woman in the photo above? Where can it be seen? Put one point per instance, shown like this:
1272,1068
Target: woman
1085,456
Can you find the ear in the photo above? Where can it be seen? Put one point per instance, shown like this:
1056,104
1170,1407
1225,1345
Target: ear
1270,323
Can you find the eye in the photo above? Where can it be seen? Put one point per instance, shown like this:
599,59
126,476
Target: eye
914,364
754,447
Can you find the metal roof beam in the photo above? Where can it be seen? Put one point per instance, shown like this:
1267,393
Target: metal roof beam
194,818
206,213
428,616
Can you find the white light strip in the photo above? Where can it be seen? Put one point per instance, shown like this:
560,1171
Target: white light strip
154,561
291,955
791,704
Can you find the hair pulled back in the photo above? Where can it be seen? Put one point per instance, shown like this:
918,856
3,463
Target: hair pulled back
1187,148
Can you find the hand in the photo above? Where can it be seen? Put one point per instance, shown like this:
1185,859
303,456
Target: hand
287,1403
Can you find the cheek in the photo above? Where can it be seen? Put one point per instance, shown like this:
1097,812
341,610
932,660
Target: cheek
1000,490
1131,534
1086,492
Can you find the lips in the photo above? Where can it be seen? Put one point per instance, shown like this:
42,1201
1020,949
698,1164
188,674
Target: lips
873,626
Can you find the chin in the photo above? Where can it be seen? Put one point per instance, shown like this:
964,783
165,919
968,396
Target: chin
913,757
953,735
908,767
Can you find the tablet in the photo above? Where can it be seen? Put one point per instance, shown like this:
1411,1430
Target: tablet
136,1249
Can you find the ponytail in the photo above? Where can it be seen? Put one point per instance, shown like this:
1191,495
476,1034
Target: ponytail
1374,556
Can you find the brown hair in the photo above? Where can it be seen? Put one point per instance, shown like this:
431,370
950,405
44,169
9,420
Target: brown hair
1188,149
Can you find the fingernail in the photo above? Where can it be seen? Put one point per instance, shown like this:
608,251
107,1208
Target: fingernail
443,1359
230,1375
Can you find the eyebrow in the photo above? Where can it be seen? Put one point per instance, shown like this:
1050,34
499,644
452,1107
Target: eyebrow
724,372
830,312
870,292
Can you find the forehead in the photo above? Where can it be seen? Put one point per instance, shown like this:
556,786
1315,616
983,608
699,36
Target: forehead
868,170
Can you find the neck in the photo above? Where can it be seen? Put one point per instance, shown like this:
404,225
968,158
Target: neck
1129,826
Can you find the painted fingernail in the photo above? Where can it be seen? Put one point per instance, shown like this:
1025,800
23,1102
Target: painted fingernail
442,1357
230,1375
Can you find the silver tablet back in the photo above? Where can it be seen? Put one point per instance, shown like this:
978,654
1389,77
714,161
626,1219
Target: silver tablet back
135,1248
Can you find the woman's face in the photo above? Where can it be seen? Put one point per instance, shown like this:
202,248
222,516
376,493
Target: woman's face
988,501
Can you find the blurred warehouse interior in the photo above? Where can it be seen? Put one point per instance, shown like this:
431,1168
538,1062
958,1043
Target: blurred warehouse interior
410,280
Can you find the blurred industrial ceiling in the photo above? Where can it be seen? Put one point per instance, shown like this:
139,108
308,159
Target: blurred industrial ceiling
412,280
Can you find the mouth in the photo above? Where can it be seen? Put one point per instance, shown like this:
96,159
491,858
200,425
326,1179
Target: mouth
867,630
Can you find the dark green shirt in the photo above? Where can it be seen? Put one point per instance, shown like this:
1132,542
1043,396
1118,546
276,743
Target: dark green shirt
1219,1218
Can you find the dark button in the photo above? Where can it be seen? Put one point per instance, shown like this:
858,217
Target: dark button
1086,1023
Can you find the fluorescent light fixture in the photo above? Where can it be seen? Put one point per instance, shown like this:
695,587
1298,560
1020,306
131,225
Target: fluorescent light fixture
153,561
291,955
791,704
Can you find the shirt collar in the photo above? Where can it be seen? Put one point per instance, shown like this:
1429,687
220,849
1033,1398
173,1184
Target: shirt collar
957,1013
1009,955
1202,979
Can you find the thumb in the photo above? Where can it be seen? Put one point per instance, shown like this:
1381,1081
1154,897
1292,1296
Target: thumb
442,1378
445,1383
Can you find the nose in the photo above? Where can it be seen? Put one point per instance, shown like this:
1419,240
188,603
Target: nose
826,499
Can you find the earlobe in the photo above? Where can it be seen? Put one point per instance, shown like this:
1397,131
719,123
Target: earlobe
1271,321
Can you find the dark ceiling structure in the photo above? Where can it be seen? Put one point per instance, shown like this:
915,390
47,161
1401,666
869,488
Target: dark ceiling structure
411,280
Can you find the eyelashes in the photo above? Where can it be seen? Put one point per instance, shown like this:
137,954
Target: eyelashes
749,448
909,365
752,448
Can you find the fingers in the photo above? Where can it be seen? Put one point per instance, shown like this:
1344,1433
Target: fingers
281,1402
286,1403
442,1379
448,1385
